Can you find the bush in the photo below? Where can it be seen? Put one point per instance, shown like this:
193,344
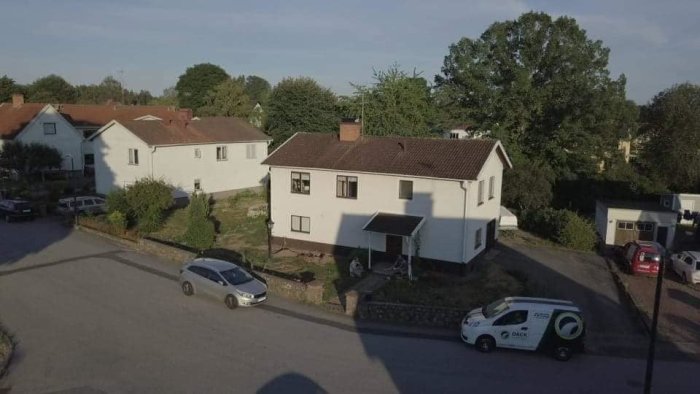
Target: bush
148,199
150,221
117,220
562,226
116,202
200,229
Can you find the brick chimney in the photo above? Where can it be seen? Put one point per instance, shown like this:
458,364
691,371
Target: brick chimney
350,130
17,100
184,114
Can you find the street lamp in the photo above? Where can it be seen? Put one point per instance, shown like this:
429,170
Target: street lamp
75,196
270,224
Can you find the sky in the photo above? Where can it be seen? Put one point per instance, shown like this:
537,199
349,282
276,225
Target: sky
149,43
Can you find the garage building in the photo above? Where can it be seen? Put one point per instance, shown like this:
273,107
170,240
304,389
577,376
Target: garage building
619,222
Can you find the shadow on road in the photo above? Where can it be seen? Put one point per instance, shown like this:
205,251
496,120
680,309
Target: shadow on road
291,383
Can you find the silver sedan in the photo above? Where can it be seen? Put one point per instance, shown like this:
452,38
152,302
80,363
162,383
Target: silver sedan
222,280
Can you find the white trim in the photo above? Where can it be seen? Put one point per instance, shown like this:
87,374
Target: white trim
508,163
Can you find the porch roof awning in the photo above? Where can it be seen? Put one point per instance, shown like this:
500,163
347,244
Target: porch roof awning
393,224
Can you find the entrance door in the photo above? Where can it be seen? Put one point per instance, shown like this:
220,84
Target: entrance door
394,245
662,235
490,234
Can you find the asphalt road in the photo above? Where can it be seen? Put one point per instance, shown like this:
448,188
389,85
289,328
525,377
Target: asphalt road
92,317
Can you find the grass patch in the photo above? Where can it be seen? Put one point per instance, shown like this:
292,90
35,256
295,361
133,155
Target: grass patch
436,289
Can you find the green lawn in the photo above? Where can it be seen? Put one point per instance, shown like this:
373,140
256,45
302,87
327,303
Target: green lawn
436,289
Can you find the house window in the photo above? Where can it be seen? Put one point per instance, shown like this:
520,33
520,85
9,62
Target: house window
49,128
250,151
197,153
346,186
301,224
221,153
197,184
89,159
301,182
406,190
481,192
454,136
134,157
477,239
492,187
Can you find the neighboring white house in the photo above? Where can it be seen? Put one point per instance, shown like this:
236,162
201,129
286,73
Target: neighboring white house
66,126
619,222
464,131
686,205
217,155
435,198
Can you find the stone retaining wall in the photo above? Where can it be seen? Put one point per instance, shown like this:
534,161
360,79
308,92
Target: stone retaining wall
167,251
411,314
311,292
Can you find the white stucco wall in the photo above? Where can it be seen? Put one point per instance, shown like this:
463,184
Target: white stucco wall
179,167
339,221
661,219
112,168
67,140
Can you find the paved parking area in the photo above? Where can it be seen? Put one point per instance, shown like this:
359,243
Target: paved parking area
92,317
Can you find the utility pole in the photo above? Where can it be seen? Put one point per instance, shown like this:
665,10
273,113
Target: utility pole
654,323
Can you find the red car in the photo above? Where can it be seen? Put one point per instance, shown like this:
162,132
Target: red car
642,257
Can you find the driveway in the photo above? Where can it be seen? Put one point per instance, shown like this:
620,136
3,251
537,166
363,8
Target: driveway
585,279
92,317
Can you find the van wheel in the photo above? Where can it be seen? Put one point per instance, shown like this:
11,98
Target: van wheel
562,353
485,344
187,289
231,302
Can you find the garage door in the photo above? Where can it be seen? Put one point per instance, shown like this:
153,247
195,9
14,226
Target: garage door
631,231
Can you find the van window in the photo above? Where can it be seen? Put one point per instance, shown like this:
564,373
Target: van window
511,318
495,308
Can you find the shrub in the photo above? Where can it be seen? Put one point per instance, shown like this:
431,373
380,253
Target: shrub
116,202
200,229
147,199
117,220
576,232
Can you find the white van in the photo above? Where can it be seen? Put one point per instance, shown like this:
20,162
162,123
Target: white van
553,326
89,204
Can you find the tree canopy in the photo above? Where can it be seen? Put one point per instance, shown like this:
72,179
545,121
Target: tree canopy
51,89
227,99
257,89
7,88
542,87
193,86
396,104
671,122
30,158
300,104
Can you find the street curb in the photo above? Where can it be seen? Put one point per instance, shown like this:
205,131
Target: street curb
5,363
628,297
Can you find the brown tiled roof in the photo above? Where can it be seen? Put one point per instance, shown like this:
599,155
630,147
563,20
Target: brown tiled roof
435,158
198,131
14,119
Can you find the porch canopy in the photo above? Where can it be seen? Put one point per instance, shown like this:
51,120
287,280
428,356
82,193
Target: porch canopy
405,226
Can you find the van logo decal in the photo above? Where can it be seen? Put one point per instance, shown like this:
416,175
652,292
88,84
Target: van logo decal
568,325
505,334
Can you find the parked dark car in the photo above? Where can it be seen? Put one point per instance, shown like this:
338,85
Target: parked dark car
16,210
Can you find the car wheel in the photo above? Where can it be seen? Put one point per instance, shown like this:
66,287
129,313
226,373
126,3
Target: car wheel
562,353
187,288
485,344
231,302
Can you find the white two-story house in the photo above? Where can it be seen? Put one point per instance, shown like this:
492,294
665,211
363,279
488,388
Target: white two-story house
434,198
216,155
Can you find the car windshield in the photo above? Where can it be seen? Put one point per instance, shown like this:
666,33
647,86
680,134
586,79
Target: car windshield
236,276
494,308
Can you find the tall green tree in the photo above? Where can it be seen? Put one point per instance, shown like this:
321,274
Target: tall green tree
543,87
7,88
300,104
51,89
227,99
398,103
258,89
671,122
193,86
28,159
110,89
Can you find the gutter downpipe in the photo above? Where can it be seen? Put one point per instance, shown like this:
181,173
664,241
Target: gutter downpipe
465,228
153,150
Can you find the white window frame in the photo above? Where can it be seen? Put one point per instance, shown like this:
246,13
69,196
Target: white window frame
221,153
344,190
53,128
410,194
301,224
303,180
197,184
197,153
251,151
133,157
480,199
492,187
